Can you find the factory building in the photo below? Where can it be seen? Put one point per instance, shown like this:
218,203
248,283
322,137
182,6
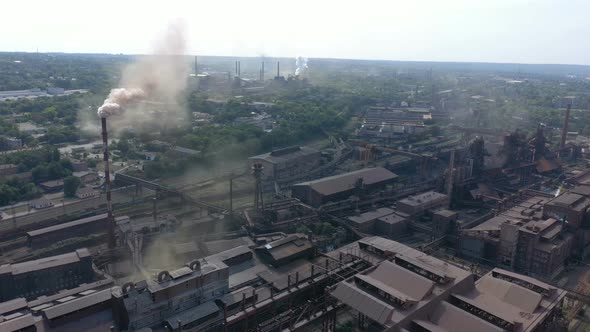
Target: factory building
82,227
342,186
572,205
384,122
521,239
52,185
420,204
46,275
286,250
72,309
382,221
411,291
40,203
181,298
287,163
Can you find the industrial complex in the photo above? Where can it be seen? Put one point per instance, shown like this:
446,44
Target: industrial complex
405,222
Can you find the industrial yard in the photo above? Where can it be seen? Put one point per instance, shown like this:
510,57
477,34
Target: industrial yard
276,195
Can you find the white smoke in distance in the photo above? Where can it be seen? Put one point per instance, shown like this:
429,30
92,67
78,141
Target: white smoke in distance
160,76
301,64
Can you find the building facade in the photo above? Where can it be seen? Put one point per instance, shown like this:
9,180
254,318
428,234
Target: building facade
46,275
287,163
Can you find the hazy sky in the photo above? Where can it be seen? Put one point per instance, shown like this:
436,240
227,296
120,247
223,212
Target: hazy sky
535,31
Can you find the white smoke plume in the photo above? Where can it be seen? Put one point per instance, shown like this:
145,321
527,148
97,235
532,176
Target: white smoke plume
301,64
159,77
119,99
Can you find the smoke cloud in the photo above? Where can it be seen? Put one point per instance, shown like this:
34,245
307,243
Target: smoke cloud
118,99
155,80
301,64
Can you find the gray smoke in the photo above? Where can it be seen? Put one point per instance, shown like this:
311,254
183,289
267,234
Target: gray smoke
160,77
301,64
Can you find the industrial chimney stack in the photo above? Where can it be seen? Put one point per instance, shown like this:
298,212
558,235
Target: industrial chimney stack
107,179
565,128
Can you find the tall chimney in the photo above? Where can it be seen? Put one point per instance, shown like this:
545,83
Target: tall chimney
236,73
196,67
278,68
451,178
107,179
262,74
239,69
566,122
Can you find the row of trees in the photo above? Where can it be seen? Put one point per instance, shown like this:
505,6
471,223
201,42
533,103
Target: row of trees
44,164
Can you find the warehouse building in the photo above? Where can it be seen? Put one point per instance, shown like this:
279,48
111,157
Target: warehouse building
384,221
46,275
287,163
82,227
411,291
420,204
286,250
342,186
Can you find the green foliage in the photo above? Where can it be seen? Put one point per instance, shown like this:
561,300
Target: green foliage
303,229
68,71
165,166
91,163
27,160
71,184
15,189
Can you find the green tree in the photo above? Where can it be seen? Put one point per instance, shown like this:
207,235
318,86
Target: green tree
71,184
55,156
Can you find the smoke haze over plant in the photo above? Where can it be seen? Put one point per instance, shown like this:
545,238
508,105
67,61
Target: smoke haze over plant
157,78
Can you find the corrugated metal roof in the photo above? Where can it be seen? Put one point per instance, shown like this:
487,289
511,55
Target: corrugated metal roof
452,319
54,228
371,215
520,297
343,182
77,304
231,253
292,153
422,198
12,305
48,262
405,281
369,305
17,324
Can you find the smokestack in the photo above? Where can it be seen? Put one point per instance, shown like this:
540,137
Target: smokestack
107,179
236,72
262,74
196,67
566,122
278,68
239,69
451,178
